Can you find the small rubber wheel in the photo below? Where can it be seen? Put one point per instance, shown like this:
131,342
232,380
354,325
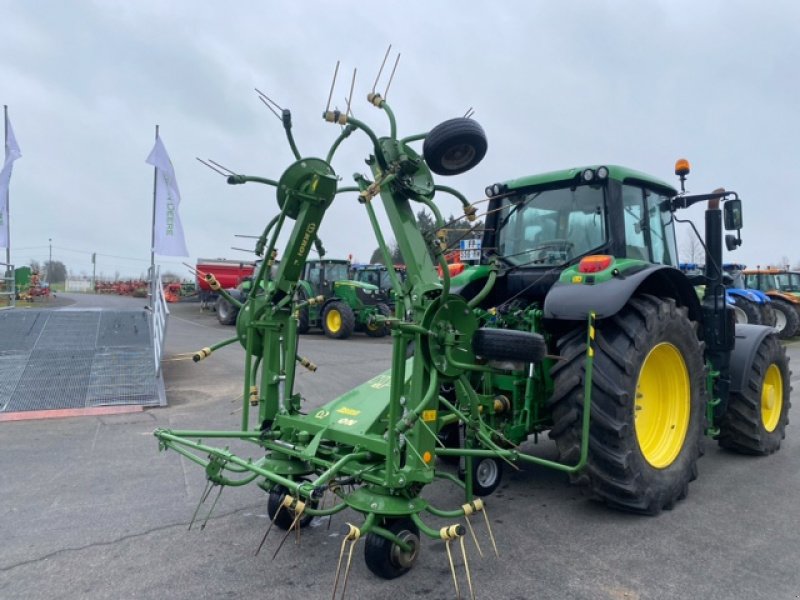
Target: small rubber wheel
454,146
508,344
286,516
487,473
450,436
385,558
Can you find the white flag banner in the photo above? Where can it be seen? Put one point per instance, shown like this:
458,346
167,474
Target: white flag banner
168,234
12,154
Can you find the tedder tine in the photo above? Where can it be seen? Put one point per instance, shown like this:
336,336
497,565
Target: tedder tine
203,496
213,506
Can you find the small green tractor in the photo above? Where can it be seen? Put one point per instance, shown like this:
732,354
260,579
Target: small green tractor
378,274
346,305
576,322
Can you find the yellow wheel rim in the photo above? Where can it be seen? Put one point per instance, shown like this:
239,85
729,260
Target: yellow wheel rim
772,398
334,320
662,405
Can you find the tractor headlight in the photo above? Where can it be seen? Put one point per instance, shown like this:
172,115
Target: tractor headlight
489,192
602,173
587,175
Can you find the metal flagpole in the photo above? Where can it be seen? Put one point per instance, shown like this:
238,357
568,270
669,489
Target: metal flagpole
8,205
153,228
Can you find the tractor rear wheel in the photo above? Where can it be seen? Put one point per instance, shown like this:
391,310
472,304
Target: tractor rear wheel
756,418
750,309
387,559
338,320
375,329
647,405
767,314
226,312
787,321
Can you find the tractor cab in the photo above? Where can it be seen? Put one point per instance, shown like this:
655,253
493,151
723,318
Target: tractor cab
538,226
322,275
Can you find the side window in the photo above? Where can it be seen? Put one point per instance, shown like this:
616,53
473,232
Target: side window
633,205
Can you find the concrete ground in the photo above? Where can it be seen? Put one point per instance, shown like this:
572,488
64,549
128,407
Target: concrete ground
90,509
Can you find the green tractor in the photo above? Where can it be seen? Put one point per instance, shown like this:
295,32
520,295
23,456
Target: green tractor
576,322
378,274
347,305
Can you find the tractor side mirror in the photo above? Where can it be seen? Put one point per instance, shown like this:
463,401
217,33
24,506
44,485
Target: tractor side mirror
732,242
733,214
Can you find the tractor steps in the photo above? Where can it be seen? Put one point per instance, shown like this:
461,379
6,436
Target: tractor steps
68,359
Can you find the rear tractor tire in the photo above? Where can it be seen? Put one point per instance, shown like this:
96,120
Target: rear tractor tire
387,559
226,312
756,418
787,321
647,405
750,310
338,320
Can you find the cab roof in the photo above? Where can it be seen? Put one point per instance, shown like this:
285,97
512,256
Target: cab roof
619,173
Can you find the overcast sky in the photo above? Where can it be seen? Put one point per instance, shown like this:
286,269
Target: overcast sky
554,85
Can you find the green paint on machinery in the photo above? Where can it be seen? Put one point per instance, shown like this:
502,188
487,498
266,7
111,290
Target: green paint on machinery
576,321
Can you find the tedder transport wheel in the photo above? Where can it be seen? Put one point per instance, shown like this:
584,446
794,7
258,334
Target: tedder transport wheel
286,516
338,320
508,344
226,312
756,418
454,146
648,401
750,309
388,560
379,329
487,473
787,321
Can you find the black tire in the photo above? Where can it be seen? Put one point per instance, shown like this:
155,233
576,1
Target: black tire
450,436
386,559
767,314
756,418
379,329
787,321
618,471
338,320
286,516
302,314
750,309
508,344
454,146
487,473
226,312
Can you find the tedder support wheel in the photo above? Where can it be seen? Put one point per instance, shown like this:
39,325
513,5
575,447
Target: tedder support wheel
388,560
750,309
787,321
379,329
286,516
454,146
226,312
756,418
338,320
647,412
487,473
508,344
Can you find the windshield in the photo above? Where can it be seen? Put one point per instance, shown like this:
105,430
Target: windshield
551,227
788,282
336,271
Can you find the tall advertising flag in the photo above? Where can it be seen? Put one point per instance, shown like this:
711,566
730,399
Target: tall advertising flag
12,154
167,229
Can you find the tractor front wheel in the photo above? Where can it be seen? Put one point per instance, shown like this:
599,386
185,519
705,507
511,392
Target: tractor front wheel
750,310
647,400
756,418
338,320
387,559
226,312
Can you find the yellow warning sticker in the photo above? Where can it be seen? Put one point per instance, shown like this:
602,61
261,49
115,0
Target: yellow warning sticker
428,415
350,412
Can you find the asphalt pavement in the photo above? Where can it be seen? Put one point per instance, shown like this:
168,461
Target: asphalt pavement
90,509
